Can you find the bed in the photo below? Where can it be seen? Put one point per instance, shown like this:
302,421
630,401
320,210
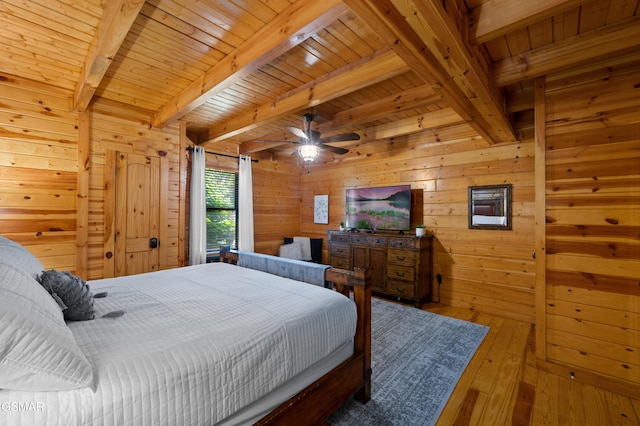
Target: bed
201,345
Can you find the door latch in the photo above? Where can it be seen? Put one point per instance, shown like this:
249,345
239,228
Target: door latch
153,243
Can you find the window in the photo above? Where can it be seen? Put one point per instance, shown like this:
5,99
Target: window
222,208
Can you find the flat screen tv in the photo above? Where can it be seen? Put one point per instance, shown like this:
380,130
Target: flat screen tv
379,208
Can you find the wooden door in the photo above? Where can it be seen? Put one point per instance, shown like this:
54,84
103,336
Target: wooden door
138,213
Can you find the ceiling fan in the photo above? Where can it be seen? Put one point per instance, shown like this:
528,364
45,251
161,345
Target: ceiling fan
310,141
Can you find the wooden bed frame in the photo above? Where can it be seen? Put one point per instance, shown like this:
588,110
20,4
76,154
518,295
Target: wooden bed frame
314,404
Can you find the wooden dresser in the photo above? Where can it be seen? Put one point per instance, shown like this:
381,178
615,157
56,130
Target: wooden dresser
400,264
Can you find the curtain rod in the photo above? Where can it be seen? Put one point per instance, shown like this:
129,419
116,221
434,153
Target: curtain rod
190,149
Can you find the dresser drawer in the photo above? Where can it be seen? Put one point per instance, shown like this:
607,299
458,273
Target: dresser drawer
406,243
369,240
401,257
339,238
341,262
400,288
340,250
398,272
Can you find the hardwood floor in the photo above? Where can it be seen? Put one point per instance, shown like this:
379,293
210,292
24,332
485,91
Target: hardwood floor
502,385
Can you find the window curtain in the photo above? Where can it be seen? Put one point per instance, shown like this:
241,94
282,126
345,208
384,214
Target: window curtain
198,209
245,204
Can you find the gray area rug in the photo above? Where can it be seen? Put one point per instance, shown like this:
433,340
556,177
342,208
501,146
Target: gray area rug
417,359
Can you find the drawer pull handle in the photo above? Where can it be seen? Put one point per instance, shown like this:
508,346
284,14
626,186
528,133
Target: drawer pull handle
400,290
340,263
340,250
400,274
401,257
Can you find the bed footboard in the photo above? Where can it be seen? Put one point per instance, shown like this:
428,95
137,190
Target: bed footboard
319,400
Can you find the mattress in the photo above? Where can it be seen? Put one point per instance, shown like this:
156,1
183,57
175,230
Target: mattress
196,346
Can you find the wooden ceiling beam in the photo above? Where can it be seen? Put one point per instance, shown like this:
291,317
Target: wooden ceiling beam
251,147
294,25
117,19
428,38
365,72
380,108
607,42
281,137
497,18
440,118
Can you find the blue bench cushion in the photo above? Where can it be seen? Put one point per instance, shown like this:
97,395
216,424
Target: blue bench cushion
308,272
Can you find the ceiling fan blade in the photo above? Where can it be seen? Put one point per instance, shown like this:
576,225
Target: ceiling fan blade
334,149
298,132
275,141
342,137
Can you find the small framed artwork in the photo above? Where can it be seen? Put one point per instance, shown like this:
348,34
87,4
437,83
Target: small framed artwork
321,209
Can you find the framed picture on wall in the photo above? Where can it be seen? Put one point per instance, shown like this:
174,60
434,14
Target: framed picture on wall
321,209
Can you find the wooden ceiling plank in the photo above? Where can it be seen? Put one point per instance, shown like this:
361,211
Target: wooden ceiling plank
166,46
607,42
498,49
114,26
565,25
518,41
620,10
541,33
227,15
301,58
144,69
497,18
478,103
170,66
126,88
593,15
158,36
360,29
368,71
211,34
352,40
74,25
320,47
38,40
290,28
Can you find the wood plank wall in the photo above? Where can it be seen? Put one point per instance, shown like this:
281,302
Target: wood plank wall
276,203
592,304
485,270
39,170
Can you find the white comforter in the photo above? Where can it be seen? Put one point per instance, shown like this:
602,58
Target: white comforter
195,346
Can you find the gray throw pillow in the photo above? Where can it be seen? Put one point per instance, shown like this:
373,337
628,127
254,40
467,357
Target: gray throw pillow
71,292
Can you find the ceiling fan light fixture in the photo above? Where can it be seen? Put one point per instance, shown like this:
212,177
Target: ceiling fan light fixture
308,152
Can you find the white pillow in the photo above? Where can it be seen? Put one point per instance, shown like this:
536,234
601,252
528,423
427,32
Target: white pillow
306,246
15,254
37,349
291,251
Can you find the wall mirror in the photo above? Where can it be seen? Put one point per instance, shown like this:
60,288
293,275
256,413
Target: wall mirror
490,207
